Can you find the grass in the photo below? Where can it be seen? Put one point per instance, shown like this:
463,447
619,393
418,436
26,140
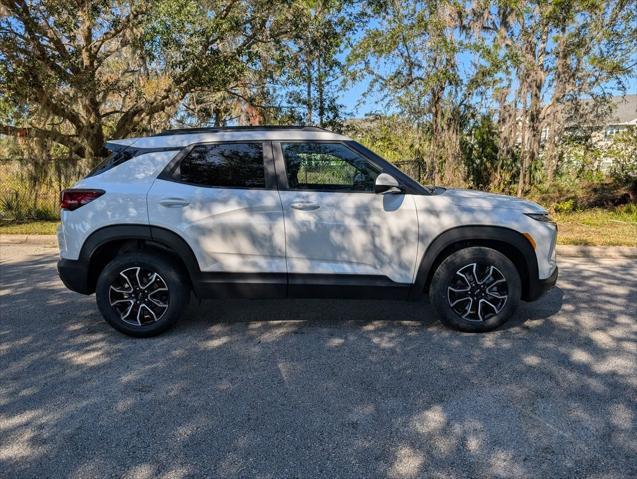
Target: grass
593,227
598,227
29,228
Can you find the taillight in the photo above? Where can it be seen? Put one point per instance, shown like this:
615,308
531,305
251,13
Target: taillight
74,198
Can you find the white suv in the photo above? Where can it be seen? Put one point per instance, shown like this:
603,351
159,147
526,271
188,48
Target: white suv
273,212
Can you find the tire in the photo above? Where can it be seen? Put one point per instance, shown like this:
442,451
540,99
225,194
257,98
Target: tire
487,280
151,285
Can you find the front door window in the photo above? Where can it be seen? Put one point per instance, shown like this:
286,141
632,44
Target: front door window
327,167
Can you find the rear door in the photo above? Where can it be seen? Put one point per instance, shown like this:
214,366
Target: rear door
335,225
222,199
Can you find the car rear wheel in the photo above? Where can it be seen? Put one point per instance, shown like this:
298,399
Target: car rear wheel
475,289
141,294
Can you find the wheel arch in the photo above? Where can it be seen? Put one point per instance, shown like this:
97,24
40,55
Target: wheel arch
505,240
105,243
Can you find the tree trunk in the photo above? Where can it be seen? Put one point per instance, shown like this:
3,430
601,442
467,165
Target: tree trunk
94,138
534,131
508,135
308,98
434,155
555,126
320,91
554,131
523,140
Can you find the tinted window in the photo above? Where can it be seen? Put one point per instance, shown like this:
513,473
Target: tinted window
111,161
327,167
229,164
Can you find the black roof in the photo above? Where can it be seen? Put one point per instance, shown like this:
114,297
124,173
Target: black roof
219,129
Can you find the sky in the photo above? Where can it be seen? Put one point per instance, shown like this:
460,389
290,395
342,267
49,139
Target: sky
356,105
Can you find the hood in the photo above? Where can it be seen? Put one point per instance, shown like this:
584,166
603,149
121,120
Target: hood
480,199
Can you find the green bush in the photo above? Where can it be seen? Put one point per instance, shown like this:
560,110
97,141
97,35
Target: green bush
10,206
15,206
565,206
44,214
623,153
25,196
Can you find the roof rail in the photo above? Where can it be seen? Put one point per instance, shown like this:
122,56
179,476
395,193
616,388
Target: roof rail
220,129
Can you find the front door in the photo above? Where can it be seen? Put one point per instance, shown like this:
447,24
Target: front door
334,222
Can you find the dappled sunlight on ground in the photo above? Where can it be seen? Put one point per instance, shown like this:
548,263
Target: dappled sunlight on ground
319,388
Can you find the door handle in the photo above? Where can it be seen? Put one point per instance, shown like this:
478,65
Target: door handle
174,202
304,206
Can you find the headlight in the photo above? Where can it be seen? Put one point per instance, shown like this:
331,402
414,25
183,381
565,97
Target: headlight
543,217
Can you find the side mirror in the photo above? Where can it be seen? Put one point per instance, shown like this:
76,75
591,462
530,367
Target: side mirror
386,183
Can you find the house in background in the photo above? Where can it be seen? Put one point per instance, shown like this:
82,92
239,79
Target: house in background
600,126
623,116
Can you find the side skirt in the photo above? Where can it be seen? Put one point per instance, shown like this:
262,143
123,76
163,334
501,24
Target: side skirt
241,285
345,286
281,285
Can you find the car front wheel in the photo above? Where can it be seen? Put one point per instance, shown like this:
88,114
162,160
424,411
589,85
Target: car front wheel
141,294
475,289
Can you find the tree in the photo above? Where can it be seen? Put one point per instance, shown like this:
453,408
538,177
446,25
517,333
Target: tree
309,65
480,149
546,57
410,52
77,71
292,79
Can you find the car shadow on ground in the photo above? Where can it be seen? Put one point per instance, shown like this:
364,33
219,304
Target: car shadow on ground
333,312
319,388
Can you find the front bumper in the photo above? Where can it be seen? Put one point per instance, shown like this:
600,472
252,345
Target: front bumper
74,275
541,286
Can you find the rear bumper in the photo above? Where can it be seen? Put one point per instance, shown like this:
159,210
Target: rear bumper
541,286
74,275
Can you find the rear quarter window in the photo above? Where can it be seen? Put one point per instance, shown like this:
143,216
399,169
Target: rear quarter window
117,157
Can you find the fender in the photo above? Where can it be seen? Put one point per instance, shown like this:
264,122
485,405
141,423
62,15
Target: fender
104,235
508,241
157,235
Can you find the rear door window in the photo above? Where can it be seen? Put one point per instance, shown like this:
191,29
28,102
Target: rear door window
229,165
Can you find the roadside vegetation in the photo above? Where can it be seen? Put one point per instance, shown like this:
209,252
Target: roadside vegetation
598,227
503,96
29,228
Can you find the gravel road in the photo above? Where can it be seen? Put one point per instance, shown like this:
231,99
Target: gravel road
318,388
